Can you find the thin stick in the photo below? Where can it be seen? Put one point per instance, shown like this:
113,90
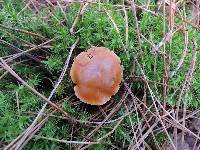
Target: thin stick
117,30
185,50
65,141
134,133
113,130
6,67
126,25
79,15
18,50
53,91
3,75
23,31
186,84
13,57
24,8
133,8
108,117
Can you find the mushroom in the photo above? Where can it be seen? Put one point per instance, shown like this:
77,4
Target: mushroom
97,74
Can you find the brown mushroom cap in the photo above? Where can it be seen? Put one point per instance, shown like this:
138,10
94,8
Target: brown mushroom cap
97,74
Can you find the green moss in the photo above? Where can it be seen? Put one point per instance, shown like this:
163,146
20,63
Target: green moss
94,28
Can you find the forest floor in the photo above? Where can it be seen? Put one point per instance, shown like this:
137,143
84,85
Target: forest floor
158,104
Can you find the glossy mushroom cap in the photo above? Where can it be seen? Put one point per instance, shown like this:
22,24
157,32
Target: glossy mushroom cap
97,74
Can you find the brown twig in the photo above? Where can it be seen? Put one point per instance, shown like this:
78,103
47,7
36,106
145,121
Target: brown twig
48,100
65,141
17,55
18,50
23,31
6,67
108,117
79,15
117,30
